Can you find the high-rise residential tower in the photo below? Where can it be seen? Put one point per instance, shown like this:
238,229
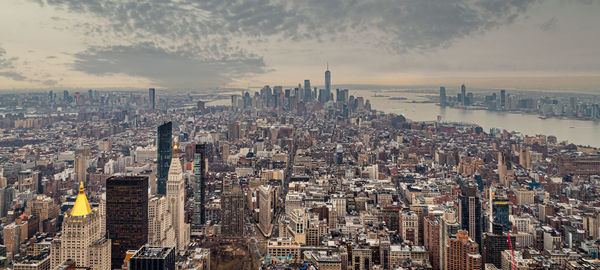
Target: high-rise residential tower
164,143
463,253
200,174
470,212
126,215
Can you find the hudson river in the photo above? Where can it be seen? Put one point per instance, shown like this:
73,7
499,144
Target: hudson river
575,131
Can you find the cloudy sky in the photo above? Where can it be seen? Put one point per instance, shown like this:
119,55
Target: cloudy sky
538,44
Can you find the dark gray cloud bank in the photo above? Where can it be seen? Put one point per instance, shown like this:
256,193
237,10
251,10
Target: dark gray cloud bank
181,42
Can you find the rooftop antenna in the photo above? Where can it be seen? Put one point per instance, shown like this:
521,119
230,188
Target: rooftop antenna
327,65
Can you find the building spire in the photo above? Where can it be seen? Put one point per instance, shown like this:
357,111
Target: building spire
82,206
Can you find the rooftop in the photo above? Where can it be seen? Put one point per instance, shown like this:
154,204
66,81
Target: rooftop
152,253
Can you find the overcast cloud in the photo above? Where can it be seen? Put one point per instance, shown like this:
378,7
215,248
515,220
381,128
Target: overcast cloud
208,43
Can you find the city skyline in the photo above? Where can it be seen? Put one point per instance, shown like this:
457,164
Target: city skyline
319,135
544,45
285,177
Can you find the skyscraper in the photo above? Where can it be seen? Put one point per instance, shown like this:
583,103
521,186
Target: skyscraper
501,212
126,215
470,212
82,239
164,143
152,98
176,203
328,79
307,92
463,93
442,96
160,228
200,174
81,157
494,243
431,239
232,212
502,99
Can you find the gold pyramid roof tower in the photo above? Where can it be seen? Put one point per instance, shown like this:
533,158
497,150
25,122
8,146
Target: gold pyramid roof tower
82,206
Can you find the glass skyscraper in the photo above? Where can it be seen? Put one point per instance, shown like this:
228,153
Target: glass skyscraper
500,212
126,215
164,152
200,171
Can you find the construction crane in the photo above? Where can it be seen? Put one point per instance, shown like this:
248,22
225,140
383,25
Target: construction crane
512,252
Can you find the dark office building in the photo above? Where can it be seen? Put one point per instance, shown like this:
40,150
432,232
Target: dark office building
232,212
470,212
153,258
164,151
493,245
126,215
151,98
500,212
200,173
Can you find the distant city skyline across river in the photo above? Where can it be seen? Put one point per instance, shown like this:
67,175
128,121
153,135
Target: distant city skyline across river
416,107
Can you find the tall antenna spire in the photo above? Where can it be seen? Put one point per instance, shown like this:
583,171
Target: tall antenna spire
327,65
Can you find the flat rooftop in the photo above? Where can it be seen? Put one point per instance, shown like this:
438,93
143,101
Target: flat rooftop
152,253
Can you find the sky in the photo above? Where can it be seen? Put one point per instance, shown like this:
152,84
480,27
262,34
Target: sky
195,44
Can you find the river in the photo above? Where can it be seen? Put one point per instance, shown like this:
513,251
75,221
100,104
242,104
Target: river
580,132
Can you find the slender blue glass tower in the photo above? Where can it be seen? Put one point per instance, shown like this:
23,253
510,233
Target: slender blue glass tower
200,174
164,143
